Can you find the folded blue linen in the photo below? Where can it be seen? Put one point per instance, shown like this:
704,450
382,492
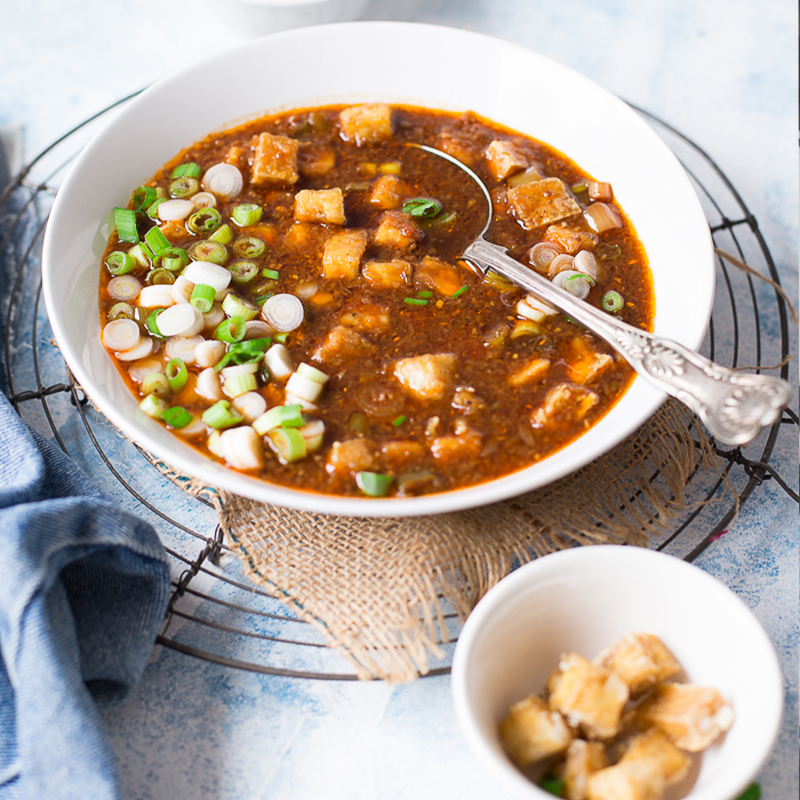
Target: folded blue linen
83,589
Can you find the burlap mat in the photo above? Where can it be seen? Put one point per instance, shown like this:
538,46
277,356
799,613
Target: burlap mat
376,588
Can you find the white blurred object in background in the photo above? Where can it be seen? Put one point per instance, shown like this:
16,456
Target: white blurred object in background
257,17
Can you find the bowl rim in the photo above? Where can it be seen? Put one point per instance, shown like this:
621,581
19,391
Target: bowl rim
563,462
605,558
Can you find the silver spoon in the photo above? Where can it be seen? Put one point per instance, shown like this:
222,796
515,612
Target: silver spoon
733,405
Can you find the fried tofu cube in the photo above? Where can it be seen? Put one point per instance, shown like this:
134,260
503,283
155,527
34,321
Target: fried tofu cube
274,160
325,206
459,146
388,192
341,255
427,377
351,456
588,696
504,158
387,274
401,453
634,780
366,124
565,401
433,273
655,745
582,759
237,156
342,343
586,364
530,371
542,202
465,443
367,317
641,660
531,731
398,230
692,716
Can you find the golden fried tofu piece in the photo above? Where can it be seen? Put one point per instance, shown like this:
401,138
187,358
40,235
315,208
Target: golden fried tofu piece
274,160
564,401
341,255
589,696
692,716
586,364
467,401
433,273
641,660
402,452
237,156
582,759
388,192
634,780
387,274
531,370
542,202
531,731
504,158
459,146
465,443
427,377
366,124
367,317
398,230
655,745
342,343
325,206
348,457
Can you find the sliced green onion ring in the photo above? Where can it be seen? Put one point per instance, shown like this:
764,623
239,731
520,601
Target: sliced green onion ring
152,209
289,416
144,197
160,276
208,250
156,241
125,222
243,270
205,220
288,444
373,484
120,311
120,263
231,330
422,207
249,247
223,234
203,297
172,258
272,274
177,417
184,187
612,301
235,306
151,323
189,169
221,415
153,406
245,214
176,374
155,383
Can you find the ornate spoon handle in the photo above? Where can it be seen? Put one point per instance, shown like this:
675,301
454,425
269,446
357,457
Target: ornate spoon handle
734,406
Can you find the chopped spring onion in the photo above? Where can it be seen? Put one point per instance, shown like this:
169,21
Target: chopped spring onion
586,263
422,207
143,197
119,263
608,252
263,299
415,301
249,247
120,311
612,301
459,292
579,187
251,405
203,297
208,273
209,353
152,209
177,417
209,251
153,406
156,383
444,219
303,387
314,433
184,187
560,263
312,373
288,444
279,361
151,323
526,176
532,308
601,217
230,330
142,349
223,234
243,271
205,220
575,283
290,416
189,169
170,210
752,792
284,312
282,337
142,257
541,255
208,385
172,258
553,785
125,221
181,319
124,288
399,421
156,241
160,277
244,353
221,415
373,484
182,290
121,334
425,295
242,448
156,296
240,384
176,374
223,180
246,214
204,200
359,423
272,274
235,306
183,347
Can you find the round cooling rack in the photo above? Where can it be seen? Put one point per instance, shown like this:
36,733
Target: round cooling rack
215,613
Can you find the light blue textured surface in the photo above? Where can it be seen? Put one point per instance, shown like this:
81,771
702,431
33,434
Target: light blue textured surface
722,72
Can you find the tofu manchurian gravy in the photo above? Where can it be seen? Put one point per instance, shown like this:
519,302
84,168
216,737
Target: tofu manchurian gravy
404,372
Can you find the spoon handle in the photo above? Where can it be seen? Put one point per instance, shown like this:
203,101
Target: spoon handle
733,405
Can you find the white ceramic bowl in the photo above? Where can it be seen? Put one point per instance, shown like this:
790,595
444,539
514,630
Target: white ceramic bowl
353,62
584,599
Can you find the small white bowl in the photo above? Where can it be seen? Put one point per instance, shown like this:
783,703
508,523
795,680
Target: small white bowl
582,600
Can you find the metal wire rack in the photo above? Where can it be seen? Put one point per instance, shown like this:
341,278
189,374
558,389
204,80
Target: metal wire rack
215,613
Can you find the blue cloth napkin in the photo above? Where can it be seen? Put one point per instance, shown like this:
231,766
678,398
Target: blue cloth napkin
83,589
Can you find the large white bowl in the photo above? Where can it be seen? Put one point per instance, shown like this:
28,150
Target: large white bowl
584,599
367,61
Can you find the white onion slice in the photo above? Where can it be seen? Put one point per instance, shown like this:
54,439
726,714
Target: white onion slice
209,386
182,347
141,350
121,334
279,361
284,312
256,329
209,353
213,444
586,263
124,288
531,307
147,366
306,405
223,180
304,387
575,283
242,448
182,319
602,217
238,370
157,296
214,317
306,289
251,405
195,428
204,200
560,263
182,290
212,275
174,210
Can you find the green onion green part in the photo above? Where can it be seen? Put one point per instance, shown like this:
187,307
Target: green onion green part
399,421
190,170
223,234
290,416
246,214
612,301
282,337
160,276
172,258
239,384
422,207
288,443
184,187
120,311
459,292
415,301
125,221
230,330
752,792
140,255
373,484
156,241
221,415
152,209
205,220
244,352
151,323
155,383
144,197
273,274
176,374
235,306
243,271
119,263
177,417
203,297
579,187
553,785
153,406
207,250
249,247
